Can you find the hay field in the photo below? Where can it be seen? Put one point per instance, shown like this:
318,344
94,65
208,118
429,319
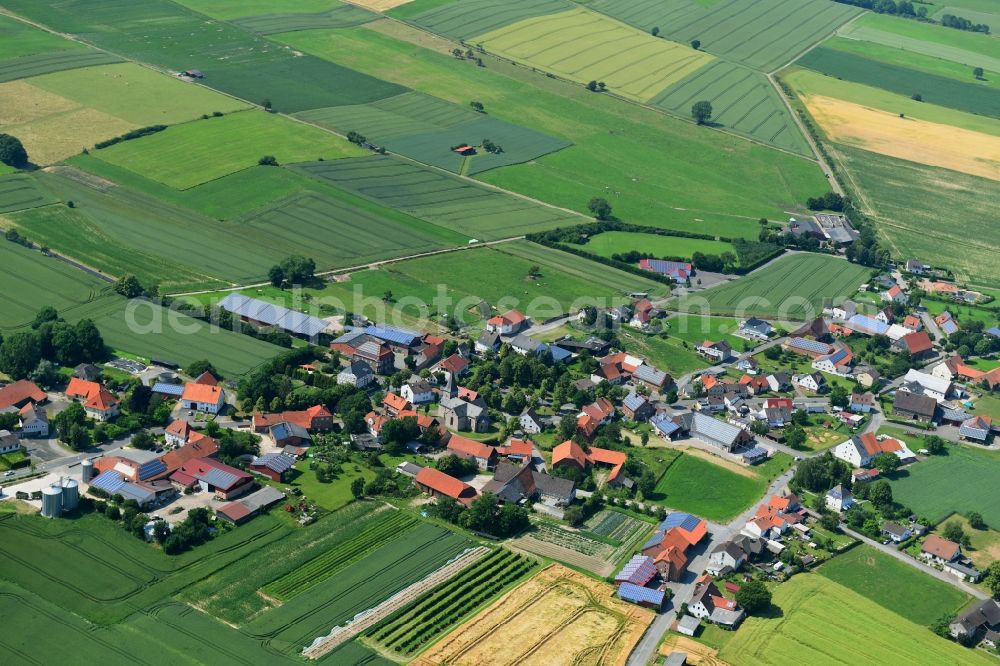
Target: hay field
53,137
761,34
582,46
823,623
193,153
934,144
583,623
381,5
136,94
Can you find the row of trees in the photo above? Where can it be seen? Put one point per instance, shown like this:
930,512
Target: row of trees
51,339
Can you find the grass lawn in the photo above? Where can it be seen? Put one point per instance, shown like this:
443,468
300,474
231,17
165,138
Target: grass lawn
136,94
695,330
985,543
894,585
961,481
620,242
792,287
331,496
988,405
712,491
193,153
669,355
618,147
819,621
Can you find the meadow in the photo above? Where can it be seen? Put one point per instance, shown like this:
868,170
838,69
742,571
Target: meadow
583,46
743,101
621,242
234,9
18,39
464,20
894,585
968,48
476,211
425,129
235,61
926,211
186,155
792,287
19,191
984,544
667,354
961,481
711,491
693,189
933,88
762,34
429,616
822,622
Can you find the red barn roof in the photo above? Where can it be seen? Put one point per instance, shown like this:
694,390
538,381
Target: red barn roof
444,484
20,392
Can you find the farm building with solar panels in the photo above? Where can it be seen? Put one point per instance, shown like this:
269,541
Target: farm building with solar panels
262,313
213,476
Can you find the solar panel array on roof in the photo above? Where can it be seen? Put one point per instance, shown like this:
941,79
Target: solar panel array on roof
110,481
975,428
397,336
278,462
806,344
685,521
633,401
151,469
705,427
949,327
131,491
664,425
639,570
837,356
637,594
273,315
168,389
219,478
868,324
648,373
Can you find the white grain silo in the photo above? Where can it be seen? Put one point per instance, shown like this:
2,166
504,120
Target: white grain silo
70,494
87,471
52,501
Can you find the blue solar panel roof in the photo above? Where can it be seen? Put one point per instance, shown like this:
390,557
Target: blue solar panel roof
279,462
809,345
683,520
949,327
168,389
869,324
109,481
219,478
638,571
151,468
273,315
633,401
636,594
397,336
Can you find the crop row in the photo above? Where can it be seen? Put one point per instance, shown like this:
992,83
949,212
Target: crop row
572,540
322,567
439,609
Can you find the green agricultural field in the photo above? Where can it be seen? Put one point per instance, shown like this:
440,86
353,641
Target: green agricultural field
426,129
790,288
695,330
584,46
618,148
389,568
621,242
823,622
961,481
463,20
435,612
234,60
762,34
565,283
743,101
990,14
136,94
912,60
30,280
927,211
230,9
935,89
20,191
895,585
806,82
193,153
431,195
968,48
45,63
709,490
343,16
19,39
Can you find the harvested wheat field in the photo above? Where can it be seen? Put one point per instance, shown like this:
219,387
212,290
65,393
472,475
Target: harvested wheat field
380,5
698,654
934,144
558,618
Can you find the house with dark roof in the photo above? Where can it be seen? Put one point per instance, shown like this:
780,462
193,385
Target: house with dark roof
356,373
9,442
291,434
518,483
636,407
755,329
718,351
726,558
678,271
914,406
718,433
979,623
488,341
976,429
530,421
708,603
468,415
33,421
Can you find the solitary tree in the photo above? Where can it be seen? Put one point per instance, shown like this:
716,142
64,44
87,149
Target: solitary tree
976,521
916,97
12,152
754,597
978,73
592,86
655,31
128,286
358,488
696,44
268,160
702,111
477,106
600,207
